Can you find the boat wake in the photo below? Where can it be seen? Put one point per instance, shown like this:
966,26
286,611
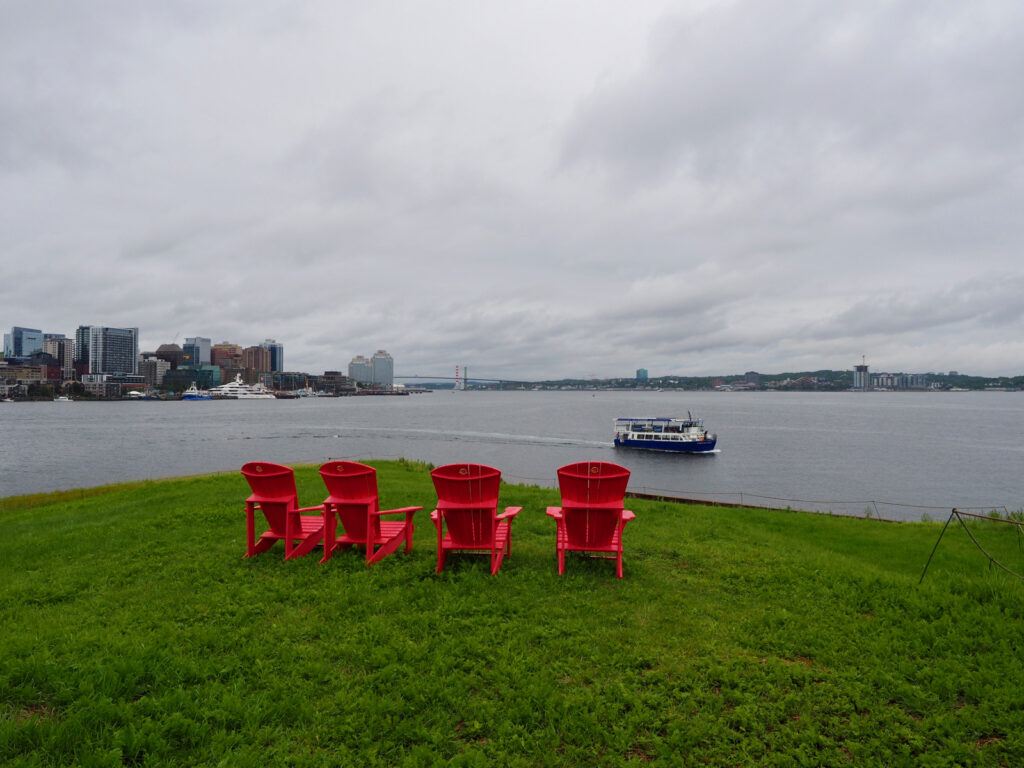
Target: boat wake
499,438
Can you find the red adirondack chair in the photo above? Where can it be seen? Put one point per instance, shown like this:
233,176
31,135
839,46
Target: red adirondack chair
353,499
467,513
273,491
591,518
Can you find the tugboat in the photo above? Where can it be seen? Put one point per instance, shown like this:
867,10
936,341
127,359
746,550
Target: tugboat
663,433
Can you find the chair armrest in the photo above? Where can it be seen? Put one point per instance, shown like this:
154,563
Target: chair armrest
401,511
627,516
317,508
555,512
509,513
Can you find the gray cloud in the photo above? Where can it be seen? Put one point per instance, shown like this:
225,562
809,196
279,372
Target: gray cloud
533,191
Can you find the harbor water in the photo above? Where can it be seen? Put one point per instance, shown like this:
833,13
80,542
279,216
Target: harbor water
891,455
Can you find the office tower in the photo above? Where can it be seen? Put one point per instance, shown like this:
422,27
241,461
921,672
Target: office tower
113,351
226,355
153,369
62,349
383,369
641,374
82,345
171,354
257,359
196,351
359,370
276,351
22,342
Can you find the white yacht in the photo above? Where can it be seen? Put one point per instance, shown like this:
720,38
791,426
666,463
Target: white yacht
239,390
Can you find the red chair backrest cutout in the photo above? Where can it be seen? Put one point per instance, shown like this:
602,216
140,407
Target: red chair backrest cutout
467,495
593,495
273,488
353,488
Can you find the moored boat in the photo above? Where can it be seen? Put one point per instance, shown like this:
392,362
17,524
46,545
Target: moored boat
663,433
194,393
239,390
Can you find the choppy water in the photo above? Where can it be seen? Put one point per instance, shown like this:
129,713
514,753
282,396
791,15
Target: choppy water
851,453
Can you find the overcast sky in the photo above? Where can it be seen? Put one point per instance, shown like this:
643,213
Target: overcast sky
531,189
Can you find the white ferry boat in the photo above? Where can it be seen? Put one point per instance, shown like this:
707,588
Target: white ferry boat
662,433
239,390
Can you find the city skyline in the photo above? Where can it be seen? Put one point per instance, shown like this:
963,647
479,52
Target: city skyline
669,188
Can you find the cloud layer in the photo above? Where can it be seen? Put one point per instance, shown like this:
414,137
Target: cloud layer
527,190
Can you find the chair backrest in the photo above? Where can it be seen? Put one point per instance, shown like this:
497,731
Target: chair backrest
593,485
593,495
467,496
273,488
352,488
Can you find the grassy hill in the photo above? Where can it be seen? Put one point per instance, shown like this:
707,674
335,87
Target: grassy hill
133,633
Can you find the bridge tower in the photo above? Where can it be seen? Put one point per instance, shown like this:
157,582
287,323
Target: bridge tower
458,379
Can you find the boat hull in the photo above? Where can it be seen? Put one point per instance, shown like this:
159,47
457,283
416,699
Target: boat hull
673,446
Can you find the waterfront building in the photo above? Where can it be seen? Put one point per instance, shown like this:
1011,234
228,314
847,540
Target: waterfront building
62,349
196,351
641,375
334,382
171,354
256,358
382,369
153,368
360,370
286,381
22,342
861,378
753,378
112,351
276,351
226,355
204,377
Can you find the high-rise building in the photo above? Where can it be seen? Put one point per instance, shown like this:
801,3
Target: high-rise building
171,354
360,370
257,359
62,349
153,369
196,351
276,354
226,355
22,342
383,369
82,345
861,378
641,374
113,351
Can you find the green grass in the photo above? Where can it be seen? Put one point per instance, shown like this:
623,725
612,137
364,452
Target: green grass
132,632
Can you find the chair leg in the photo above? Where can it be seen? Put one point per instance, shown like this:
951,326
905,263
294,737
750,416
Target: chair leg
305,546
618,563
561,561
250,531
263,545
440,559
330,532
